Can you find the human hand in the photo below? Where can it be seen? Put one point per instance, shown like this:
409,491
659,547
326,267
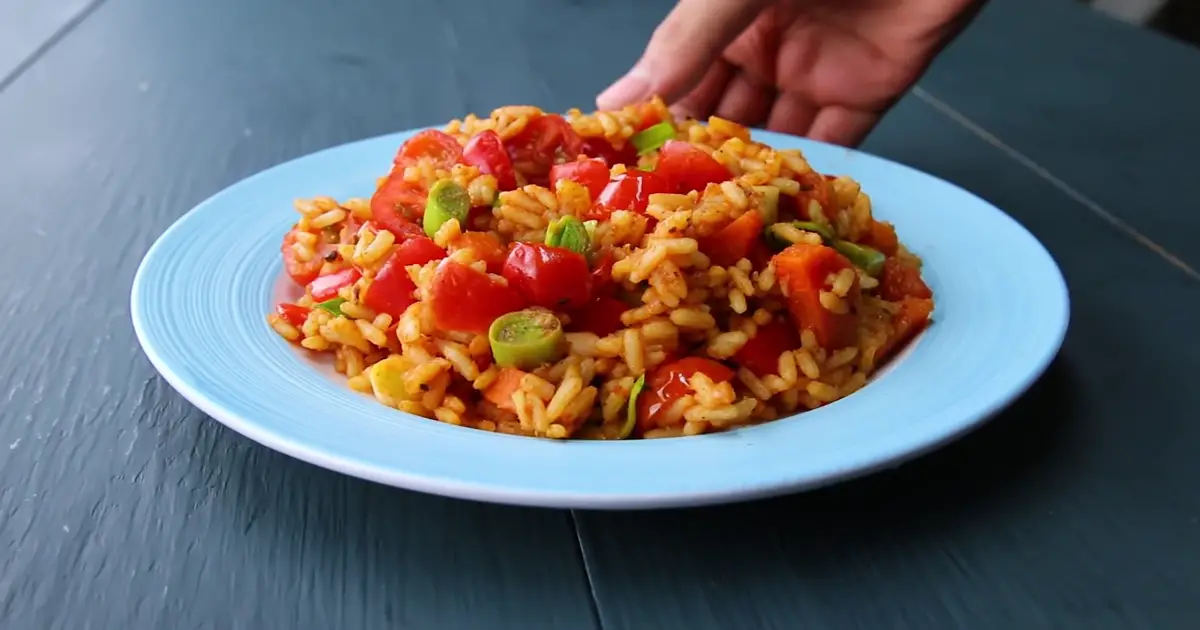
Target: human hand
826,69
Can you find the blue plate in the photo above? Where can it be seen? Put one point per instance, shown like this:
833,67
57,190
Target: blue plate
202,292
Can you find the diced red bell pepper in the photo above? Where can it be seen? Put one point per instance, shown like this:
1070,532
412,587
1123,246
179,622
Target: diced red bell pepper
735,241
912,317
803,269
761,354
900,279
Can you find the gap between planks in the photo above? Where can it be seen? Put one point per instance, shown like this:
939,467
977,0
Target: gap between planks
1037,169
39,52
587,571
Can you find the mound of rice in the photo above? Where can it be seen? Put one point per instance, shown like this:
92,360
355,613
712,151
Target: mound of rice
680,302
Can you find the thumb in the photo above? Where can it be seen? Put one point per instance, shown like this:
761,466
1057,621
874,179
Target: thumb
683,47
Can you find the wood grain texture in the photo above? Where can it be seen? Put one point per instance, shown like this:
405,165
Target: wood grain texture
120,505
123,507
1107,108
29,27
1076,508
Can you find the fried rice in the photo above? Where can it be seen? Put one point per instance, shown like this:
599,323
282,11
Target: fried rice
618,275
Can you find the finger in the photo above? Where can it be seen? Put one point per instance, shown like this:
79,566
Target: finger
681,50
746,101
841,125
792,113
756,50
703,99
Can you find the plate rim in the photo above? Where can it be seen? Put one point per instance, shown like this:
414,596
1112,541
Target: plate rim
494,493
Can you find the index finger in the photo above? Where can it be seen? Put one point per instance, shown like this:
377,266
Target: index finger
688,41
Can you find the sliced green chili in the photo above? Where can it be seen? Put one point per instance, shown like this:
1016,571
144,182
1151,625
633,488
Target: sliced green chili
569,233
631,407
866,258
768,206
554,232
447,200
333,305
527,339
594,251
774,241
816,228
777,242
652,137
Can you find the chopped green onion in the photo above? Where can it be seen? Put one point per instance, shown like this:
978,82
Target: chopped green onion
594,252
768,205
333,305
816,228
527,339
447,200
777,242
866,258
569,233
631,407
554,233
652,137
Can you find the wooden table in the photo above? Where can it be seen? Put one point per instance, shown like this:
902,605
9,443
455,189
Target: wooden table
122,507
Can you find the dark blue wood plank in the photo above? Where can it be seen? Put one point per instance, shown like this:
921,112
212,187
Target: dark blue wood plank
120,505
1108,109
28,28
1077,508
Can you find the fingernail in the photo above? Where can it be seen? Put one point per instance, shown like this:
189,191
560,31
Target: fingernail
682,112
631,88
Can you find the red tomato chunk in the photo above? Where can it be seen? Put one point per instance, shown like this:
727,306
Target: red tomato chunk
687,168
550,277
397,202
486,151
609,154
670,382
301,271
469,301
602,273
545,141
601,316
591,174
486,247
630,191
392,290
431,143
293,314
